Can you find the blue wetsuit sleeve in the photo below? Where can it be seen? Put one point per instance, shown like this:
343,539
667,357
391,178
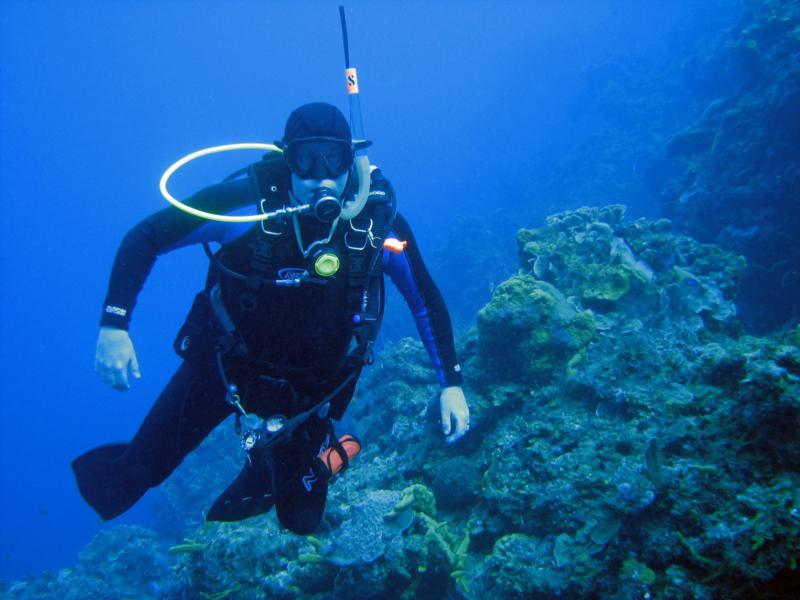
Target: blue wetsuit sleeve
407,271
165,231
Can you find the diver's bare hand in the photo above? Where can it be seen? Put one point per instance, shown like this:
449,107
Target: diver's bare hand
114,356
454,407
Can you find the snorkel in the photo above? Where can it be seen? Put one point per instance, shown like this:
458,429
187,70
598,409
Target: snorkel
350,208
353,208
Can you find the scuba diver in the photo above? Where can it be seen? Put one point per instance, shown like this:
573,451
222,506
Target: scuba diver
279,335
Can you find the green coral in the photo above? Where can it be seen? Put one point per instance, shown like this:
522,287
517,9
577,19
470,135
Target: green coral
582,328
594,255
222,594
634,570
314,541
606,284
190,546
521,566
311,558
713,565
572,364
544,327
419,498
436,535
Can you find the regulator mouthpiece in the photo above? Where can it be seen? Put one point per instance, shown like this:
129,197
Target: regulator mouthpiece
326,205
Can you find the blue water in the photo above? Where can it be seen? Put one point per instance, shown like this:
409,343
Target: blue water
468,103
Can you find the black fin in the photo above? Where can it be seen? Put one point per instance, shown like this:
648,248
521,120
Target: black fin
249,495
108,488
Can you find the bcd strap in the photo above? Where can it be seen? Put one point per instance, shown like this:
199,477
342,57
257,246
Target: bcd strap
366,302
269,185
230,338
260,261
337,447
365,294
335,459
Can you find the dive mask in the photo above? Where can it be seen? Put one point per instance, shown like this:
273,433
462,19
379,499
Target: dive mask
319,157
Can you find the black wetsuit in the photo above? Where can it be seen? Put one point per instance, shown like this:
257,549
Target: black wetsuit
296,339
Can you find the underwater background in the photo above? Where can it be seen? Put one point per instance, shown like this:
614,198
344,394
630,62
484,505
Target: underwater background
606,193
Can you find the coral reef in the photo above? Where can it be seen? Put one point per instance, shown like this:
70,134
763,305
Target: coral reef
738,182
126,562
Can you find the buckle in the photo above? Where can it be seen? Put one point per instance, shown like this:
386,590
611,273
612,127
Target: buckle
369,238
263,206
369,353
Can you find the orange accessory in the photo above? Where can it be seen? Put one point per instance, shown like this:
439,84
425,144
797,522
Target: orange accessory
394,245
331,458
